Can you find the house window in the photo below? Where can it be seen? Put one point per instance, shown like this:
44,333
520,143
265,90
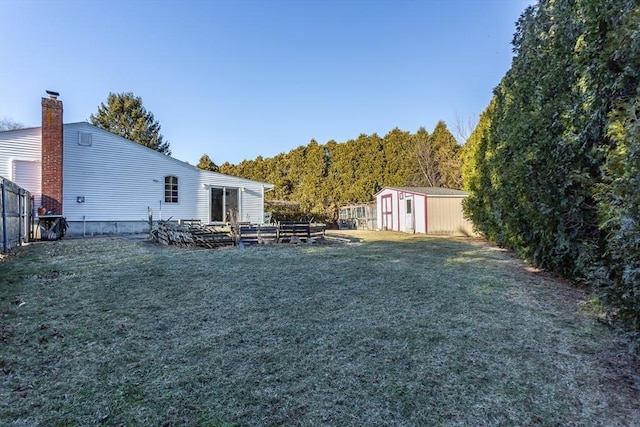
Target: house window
171,189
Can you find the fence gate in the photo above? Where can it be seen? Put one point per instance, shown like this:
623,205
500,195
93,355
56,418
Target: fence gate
16,210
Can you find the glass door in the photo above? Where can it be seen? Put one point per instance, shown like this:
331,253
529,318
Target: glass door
225,204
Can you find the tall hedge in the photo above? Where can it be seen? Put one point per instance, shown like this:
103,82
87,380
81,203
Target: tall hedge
553,167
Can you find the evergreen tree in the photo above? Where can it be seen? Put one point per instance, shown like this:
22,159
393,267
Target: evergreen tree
321,178
207,164
552,166
400,163
125,115
476,174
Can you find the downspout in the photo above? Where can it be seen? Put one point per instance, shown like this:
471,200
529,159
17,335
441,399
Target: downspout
5,238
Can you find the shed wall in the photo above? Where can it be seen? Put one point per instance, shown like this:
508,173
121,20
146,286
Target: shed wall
386,221
432,214
445,216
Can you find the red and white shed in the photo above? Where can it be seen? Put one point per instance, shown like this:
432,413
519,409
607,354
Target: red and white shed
427,210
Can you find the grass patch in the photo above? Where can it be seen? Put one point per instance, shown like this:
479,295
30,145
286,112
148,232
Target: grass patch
388,329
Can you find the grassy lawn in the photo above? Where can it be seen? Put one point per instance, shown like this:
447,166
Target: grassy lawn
388,329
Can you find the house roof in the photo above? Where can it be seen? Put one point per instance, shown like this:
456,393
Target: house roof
169,158
429,191
160,155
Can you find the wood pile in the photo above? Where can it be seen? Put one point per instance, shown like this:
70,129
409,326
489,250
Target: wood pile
192,234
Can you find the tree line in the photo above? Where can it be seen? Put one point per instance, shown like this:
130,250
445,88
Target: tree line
553,166
320,178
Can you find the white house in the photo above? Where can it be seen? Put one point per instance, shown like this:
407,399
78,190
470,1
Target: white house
427,210
103,183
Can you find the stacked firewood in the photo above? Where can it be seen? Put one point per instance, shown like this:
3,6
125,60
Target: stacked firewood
170,233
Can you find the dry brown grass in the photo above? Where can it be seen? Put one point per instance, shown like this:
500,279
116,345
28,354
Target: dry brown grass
389,329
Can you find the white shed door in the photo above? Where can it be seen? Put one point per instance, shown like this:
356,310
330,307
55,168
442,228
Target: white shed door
409,215
26,174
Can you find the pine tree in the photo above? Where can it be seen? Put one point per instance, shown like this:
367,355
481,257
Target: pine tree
207,164
125,115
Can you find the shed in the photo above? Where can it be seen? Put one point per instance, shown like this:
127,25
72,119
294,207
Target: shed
427,210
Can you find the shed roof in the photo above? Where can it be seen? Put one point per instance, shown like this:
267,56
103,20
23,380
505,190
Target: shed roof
429,191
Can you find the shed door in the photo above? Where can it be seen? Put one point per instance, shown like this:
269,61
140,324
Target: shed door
387,212
409,215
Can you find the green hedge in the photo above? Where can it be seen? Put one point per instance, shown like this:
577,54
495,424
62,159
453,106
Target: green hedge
553,167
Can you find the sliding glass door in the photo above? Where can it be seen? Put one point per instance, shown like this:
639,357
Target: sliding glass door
225,204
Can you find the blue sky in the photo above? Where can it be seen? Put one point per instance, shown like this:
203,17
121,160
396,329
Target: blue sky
239,79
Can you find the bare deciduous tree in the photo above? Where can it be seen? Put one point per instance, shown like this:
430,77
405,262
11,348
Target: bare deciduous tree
438,158
9,124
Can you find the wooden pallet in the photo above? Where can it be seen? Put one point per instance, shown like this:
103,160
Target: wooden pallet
169,233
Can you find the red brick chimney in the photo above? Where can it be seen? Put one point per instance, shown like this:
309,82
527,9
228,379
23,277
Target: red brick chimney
52,153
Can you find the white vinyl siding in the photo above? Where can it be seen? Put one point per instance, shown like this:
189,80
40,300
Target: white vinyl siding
120,180
251,207
20,154
22,144
26,173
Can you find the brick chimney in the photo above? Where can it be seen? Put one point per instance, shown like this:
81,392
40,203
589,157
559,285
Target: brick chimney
52,153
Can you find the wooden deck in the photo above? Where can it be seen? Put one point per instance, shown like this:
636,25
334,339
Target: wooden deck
282,232
188,233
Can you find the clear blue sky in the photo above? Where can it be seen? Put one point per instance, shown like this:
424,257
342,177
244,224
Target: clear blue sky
239,79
